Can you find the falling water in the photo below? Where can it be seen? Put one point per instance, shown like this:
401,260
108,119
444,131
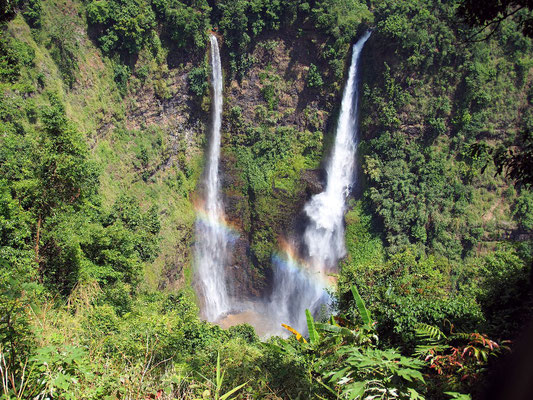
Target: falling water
212,238
302,284
324,236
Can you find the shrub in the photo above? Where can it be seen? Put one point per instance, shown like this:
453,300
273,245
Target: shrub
121,75
270,95
32,11
197,78
314,79
122,25
523,210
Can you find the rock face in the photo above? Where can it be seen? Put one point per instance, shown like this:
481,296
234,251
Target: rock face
242,276
313,179
263,217
177,114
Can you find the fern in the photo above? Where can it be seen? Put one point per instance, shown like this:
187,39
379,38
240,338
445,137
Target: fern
429,333
432,339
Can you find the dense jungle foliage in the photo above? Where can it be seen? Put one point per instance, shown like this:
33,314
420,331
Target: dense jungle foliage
103,114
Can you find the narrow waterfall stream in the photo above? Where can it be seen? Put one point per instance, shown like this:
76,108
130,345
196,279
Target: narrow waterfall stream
212,237
301,282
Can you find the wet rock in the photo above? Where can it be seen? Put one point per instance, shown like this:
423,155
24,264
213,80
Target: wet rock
313,181
244,280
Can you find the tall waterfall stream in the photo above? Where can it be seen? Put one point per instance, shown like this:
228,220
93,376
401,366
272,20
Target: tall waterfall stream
212,239
302,269
302,282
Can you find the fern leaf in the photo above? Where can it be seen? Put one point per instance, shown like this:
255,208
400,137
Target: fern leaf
429,333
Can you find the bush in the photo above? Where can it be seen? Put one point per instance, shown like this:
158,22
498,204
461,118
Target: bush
185,25
314,79
523,210
123,26
504,292
14,55
32,10
198,83
121,76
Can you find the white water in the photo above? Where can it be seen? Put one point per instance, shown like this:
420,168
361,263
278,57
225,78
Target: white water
324,236
301,285
212,238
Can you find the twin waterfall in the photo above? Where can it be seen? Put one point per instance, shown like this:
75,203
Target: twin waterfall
302,270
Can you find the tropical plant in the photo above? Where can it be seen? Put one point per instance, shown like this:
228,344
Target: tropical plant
458,359
217,385
346,362
366,373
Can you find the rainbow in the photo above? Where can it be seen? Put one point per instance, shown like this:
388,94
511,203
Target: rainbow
288,256
218,222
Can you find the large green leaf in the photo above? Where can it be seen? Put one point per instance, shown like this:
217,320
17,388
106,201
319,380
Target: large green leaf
226,395
356,390
414,395
314,338
458,396
339,330
365,314
410,374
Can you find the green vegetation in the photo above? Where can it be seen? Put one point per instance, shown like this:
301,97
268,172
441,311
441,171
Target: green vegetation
102,120
128,26
314,79
198,81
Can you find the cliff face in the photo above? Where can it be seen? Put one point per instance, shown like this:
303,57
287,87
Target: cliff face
273,145
157,148
173,175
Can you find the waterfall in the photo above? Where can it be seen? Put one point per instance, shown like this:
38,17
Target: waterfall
212,237
302,268
324,236
301,283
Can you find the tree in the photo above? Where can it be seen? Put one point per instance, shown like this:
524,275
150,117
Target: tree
517,163
314,79
490,13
